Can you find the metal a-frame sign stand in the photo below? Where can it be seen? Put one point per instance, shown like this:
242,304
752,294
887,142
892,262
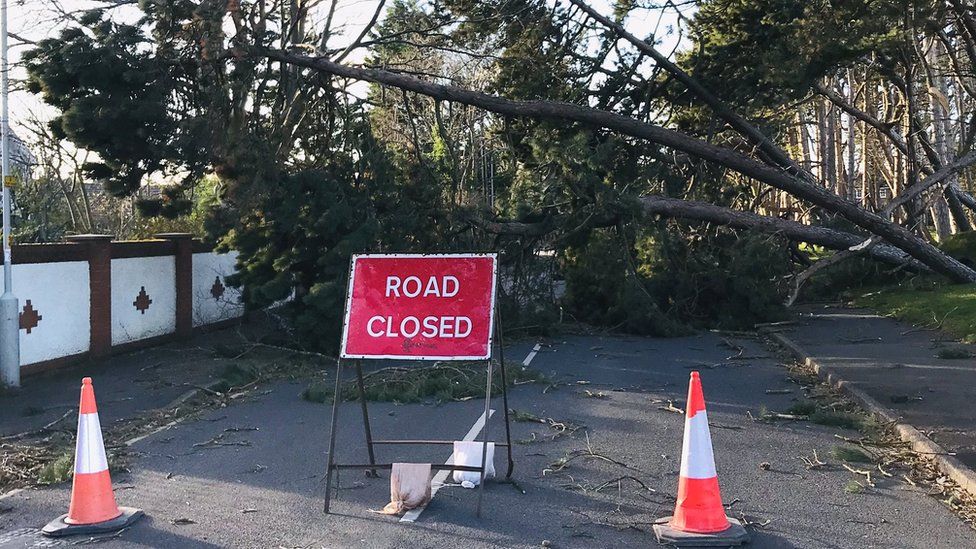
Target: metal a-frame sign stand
372,467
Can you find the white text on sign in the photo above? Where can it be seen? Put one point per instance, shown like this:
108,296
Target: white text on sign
411,326
446,286
412,286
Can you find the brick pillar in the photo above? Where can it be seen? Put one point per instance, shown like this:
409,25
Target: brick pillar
98,249
184,281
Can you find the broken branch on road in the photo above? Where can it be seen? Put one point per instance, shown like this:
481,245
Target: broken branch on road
219,441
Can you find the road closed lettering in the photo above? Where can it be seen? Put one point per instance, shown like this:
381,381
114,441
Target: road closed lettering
420,307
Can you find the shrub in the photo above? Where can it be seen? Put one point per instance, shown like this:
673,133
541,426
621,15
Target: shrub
802,408
961,246
953,353
842,280
57,471
601,291
676,281
836,419
236,375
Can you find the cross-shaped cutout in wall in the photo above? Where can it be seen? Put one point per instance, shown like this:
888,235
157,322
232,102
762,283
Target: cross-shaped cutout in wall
29,319
142,301
217,290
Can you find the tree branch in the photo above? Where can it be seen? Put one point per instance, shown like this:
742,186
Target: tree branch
703,211
555,110
937,177
369,26
886,129
793,230
768,149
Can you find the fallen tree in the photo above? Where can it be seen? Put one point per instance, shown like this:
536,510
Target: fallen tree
769,151
691,210
821,236
777,177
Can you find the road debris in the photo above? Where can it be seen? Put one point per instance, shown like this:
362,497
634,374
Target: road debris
441,381
754,522
814,462
218,441
864,472
857,340
671,408
563,462
42,430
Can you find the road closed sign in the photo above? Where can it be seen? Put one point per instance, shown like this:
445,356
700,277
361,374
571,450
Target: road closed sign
420,307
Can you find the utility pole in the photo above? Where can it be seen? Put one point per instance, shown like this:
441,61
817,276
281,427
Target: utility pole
9,309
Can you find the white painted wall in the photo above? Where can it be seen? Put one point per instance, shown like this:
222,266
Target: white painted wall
158,276
209,268
59,293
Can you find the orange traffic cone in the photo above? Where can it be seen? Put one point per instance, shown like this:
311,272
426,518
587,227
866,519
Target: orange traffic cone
93,508
699,517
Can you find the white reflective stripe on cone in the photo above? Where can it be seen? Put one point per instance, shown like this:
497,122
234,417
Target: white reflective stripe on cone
697,460
89,450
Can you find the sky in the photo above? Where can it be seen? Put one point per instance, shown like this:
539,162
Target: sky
32,20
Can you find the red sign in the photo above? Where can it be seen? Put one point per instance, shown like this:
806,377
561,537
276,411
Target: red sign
420,307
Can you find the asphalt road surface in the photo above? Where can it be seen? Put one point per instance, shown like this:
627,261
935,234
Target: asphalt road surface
264,487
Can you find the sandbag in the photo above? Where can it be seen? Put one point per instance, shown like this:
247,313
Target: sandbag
409,487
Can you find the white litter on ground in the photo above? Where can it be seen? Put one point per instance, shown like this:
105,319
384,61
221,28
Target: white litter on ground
468,453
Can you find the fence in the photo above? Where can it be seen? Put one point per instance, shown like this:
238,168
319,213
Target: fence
91,297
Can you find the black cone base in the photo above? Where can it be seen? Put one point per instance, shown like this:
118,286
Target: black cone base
58,527
735,534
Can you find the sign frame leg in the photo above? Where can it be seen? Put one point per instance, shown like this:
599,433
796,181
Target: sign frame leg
501,360
332,435
369,433
484,439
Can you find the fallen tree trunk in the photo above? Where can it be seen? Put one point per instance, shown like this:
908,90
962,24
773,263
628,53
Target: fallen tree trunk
769,150
555,110
703,211
935,178
821,236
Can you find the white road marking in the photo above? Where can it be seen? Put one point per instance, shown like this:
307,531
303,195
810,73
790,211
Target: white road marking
530,356
438,481
139,438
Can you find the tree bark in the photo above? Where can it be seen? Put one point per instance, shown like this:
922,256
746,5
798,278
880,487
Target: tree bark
938,92
555,110
821,236
948,171
710,213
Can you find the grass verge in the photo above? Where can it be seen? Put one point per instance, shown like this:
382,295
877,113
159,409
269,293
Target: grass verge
950,307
